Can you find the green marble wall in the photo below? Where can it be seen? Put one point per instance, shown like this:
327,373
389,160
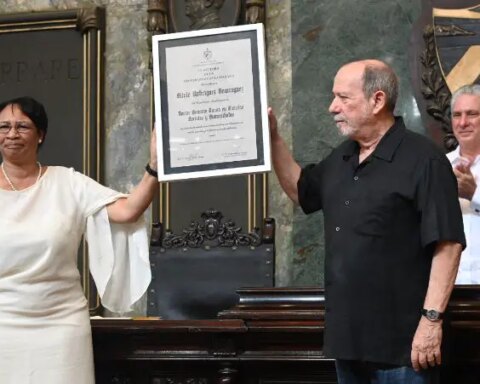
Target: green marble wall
324,35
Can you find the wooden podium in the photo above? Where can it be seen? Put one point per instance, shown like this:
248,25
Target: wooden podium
272,336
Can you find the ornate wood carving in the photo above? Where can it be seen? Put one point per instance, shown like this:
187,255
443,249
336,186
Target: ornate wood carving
255,11
157,17
435,89
212,232
90,18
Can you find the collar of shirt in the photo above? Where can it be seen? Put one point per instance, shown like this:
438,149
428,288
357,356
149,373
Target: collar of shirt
386,147
455,158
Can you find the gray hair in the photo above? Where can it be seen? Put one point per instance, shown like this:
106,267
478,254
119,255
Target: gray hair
381,78
469,89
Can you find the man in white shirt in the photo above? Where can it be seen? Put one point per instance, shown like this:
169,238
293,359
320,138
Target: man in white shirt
465,107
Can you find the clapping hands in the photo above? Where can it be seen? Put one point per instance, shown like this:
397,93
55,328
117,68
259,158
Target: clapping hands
466,182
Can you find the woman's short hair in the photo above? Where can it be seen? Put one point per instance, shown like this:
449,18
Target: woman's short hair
33,109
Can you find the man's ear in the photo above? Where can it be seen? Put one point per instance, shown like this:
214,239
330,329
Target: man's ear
379,99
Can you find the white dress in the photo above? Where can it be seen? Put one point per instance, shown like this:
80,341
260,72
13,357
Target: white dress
45,335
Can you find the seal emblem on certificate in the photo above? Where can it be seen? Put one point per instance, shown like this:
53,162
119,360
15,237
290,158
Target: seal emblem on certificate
211,102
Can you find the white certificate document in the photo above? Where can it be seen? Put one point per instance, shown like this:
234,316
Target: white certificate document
211,103
211,116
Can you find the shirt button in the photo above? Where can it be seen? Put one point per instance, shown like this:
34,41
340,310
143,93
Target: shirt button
355,178
337,229
347,202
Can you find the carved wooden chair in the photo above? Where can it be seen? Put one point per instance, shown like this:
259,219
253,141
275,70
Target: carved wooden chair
195,274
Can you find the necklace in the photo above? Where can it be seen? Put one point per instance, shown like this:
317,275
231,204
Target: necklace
10,181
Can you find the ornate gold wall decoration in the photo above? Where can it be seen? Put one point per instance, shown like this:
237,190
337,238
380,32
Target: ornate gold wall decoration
450,60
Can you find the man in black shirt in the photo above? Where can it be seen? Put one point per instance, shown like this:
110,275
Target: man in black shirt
393,232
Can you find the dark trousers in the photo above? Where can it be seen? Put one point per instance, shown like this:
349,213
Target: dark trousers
359,372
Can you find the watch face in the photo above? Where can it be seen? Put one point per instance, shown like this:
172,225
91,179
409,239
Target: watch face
433,315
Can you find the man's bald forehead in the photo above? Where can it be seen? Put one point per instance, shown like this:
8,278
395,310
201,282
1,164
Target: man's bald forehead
361,64
353,70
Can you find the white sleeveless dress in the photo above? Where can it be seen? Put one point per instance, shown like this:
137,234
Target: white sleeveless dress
45,335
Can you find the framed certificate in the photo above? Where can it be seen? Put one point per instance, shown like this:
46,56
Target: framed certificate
211,103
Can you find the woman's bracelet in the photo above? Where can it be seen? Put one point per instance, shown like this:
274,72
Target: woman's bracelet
151,171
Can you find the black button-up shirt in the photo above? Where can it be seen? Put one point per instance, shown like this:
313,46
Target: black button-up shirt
383,218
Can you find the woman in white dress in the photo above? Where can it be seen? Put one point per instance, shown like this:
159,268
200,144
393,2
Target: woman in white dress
45,335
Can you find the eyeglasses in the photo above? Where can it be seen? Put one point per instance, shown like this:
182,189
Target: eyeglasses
20,127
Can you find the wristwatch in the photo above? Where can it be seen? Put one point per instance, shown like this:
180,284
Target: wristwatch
432,314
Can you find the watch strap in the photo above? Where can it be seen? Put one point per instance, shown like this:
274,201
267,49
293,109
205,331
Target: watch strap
432,314
151,171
